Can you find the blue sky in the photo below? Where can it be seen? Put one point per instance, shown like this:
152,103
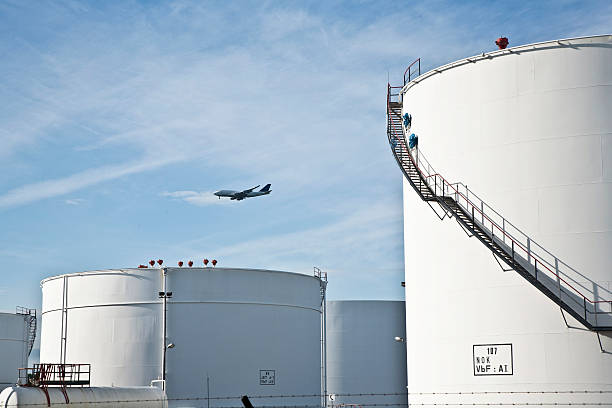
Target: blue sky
119,119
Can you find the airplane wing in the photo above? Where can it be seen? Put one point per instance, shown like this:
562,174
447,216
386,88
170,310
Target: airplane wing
250,189
244,193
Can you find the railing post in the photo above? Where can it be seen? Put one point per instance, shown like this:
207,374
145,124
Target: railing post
536,268
585,309
558,277
528,250
513,251
504,228
482,211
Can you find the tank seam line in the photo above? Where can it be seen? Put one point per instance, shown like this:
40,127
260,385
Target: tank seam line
181,302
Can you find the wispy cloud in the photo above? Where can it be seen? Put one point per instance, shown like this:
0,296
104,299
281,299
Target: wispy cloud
262,97
74,201
199,198
51,188
207,94
369,230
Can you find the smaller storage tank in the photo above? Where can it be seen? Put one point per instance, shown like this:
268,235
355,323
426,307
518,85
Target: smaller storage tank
363,355
17,331
81,397
214,335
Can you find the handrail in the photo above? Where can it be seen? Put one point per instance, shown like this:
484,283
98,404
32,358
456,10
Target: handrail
409,72
527,247
526,250
523,241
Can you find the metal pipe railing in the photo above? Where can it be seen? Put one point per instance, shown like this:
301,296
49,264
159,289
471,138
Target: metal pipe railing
491,220
408,70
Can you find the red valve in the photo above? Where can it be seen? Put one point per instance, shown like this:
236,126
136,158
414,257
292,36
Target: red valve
180,264
502,42
160,261
142,266
205,262
214,262
151,262
190,263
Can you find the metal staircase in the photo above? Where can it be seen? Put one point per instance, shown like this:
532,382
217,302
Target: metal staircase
573,292
30,316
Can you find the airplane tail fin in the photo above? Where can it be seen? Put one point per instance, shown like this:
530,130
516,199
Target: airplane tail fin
266,188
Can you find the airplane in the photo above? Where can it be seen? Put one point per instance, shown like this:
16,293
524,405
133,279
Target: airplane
241,195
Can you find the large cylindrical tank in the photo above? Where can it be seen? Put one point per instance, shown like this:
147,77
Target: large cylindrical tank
84,397
363,356
528,129
14,348
230,332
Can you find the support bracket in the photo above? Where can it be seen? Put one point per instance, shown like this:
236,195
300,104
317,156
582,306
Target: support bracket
434,210
464,229
499,263
600,345
564,319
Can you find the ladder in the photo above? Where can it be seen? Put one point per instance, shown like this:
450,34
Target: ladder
30,316
571,290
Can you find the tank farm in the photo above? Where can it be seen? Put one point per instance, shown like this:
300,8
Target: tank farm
506,159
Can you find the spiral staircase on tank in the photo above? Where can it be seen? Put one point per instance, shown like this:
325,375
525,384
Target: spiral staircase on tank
572,291
30,316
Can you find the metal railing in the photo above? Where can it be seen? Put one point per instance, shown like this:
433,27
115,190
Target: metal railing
48,374
413,70
571,285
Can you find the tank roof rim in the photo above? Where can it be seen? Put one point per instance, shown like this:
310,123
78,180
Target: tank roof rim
9,313
493,54
115,270
366,301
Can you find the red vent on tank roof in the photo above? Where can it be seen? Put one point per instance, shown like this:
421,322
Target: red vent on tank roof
502,42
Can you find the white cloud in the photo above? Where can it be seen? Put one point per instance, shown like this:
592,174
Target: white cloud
74,201
289,90
371,231
199,198
51,188
178,194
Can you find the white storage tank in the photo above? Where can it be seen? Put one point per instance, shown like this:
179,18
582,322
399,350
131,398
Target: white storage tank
528,129
84,397
230,332
363,355
17,331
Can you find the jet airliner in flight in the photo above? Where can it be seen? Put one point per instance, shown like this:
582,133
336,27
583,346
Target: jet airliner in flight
241,195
